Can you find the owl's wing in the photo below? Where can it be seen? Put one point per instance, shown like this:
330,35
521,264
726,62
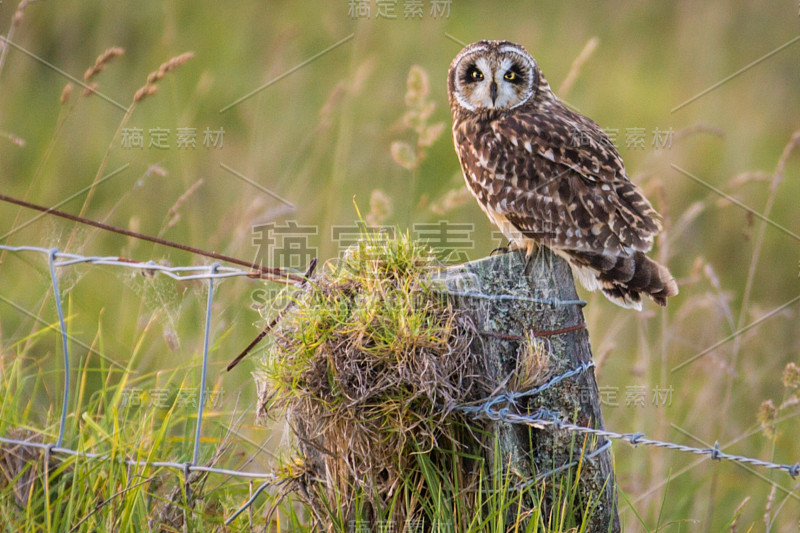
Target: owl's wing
531,169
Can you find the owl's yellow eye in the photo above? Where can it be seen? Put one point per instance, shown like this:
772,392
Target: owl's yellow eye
476,74
510,75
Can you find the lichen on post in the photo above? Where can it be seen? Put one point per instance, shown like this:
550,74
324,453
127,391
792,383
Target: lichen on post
543,310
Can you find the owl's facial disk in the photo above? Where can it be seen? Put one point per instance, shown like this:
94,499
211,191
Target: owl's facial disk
494,80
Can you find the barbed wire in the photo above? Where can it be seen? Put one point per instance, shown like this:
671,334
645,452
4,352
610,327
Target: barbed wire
544,417
485,409
512,396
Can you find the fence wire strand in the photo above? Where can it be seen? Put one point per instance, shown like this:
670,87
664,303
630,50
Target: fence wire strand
179,273
206,333
51,254
487,409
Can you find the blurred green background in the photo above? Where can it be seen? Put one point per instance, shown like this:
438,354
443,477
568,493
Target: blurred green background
321,137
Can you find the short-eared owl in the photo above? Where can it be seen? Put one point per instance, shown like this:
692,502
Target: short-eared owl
547,175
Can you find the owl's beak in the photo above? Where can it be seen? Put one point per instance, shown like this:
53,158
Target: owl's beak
493,90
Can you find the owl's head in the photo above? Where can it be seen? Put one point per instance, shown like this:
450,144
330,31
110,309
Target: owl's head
498,75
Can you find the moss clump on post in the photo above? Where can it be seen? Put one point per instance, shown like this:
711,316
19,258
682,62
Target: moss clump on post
368,365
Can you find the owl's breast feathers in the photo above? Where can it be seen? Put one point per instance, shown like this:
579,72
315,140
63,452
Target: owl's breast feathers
557,179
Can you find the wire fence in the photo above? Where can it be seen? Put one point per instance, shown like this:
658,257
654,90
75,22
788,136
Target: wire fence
488,409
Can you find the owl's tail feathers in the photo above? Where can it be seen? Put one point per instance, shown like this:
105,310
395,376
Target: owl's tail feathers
623,279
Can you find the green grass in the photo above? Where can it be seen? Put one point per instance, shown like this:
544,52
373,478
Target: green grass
446,503
91,494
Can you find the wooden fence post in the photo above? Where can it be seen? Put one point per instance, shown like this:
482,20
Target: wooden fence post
503,324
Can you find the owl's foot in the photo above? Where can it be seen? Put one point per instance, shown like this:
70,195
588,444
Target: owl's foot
530,250
528,263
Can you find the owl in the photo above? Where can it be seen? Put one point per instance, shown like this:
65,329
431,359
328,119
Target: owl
546,175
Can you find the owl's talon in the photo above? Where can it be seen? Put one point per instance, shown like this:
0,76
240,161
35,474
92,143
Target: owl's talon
500,250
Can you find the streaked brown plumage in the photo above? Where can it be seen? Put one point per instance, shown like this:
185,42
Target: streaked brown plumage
547,175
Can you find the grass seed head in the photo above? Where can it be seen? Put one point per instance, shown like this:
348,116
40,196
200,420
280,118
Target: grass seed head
102,60
149,88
